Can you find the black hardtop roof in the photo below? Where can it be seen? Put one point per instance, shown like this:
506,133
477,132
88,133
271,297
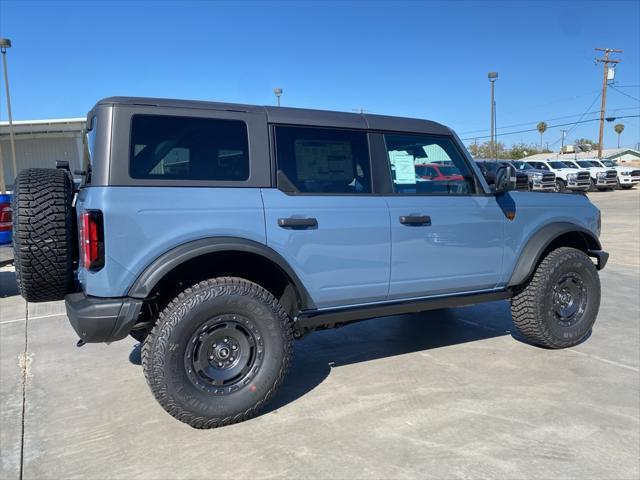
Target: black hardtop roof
296,116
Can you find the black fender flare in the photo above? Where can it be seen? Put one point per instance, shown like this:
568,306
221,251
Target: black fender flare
538,243
156,270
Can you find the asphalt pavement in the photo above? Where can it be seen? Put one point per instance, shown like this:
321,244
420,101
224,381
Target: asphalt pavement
446,394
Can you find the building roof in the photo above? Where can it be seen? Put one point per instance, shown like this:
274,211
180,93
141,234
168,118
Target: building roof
606,153
69,126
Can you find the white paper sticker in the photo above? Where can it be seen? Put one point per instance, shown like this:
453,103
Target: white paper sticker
405,169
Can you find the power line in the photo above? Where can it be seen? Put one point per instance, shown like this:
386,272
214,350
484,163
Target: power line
549,126
625,94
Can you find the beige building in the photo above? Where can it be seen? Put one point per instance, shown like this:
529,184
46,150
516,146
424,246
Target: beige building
39,143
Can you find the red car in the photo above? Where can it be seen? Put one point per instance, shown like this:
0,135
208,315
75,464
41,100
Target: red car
433,171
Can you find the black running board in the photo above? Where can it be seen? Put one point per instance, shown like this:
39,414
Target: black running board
308,320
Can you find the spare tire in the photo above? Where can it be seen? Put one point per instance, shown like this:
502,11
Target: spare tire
44,234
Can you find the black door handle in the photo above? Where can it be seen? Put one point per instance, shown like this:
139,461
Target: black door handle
415,220
298,222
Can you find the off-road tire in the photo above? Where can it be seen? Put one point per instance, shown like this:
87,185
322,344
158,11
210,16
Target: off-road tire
532,308
165,351
561,187
44,234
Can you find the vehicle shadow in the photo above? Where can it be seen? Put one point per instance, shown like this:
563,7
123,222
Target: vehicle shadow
315,355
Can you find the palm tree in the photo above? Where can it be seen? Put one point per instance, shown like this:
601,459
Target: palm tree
542,127
619,128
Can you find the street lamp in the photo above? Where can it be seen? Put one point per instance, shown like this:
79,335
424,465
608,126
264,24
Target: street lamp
278,92
493,76
4,44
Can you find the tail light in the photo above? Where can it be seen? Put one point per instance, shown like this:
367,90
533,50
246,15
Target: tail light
5,217
92,240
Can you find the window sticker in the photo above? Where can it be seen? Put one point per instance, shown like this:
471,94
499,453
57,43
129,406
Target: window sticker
405,169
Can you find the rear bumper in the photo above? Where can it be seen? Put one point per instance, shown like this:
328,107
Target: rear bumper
98,319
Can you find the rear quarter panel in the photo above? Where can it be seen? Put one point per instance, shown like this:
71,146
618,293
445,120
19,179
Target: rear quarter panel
142,223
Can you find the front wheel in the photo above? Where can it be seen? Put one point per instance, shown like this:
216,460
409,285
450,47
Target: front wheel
558,306
218,352
560,185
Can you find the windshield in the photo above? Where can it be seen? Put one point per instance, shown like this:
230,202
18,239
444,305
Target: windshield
587,164
558,165
522,166
609,163
449,170
570,164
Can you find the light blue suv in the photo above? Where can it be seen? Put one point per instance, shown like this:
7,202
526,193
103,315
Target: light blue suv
217,233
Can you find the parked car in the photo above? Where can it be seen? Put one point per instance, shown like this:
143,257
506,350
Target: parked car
566,177
627,176
601,178
5,219
217,233
438,172
539,180
489,169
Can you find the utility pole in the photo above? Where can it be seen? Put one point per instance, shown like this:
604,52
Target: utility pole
4,44
564,134
605,61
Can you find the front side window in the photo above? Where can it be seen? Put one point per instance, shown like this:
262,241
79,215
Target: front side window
185,148
323,160
424,164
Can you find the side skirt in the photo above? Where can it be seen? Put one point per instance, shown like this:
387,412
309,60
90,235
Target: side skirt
310,320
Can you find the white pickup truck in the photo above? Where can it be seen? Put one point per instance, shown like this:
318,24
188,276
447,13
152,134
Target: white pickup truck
602,178
627,176
566,177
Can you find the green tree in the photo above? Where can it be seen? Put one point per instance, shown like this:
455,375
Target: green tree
619,128
542,127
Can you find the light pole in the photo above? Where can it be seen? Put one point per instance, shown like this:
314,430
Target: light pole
4,44
278,92
493,76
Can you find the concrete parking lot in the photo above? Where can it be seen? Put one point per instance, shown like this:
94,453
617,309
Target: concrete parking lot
446,394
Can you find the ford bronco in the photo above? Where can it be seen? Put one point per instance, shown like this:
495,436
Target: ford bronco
216,234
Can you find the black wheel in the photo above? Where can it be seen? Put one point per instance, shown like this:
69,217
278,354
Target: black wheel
218,352
558,306
44,234
560,185
592,186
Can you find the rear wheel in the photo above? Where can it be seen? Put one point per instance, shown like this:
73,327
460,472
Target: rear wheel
44,234
558,306
218,352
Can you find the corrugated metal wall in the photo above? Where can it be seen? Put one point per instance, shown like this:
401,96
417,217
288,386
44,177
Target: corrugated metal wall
39,152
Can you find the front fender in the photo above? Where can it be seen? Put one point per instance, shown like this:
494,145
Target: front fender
538,243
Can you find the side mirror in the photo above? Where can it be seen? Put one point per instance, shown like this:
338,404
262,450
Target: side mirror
505,178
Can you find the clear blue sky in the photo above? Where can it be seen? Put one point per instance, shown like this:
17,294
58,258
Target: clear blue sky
422,59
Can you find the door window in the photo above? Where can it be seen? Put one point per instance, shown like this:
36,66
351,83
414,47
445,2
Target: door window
425,164
322,160
184,148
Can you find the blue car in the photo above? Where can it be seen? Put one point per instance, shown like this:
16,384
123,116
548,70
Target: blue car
217,233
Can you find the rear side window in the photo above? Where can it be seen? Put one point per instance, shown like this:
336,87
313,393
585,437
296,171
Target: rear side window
323,160
186,148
